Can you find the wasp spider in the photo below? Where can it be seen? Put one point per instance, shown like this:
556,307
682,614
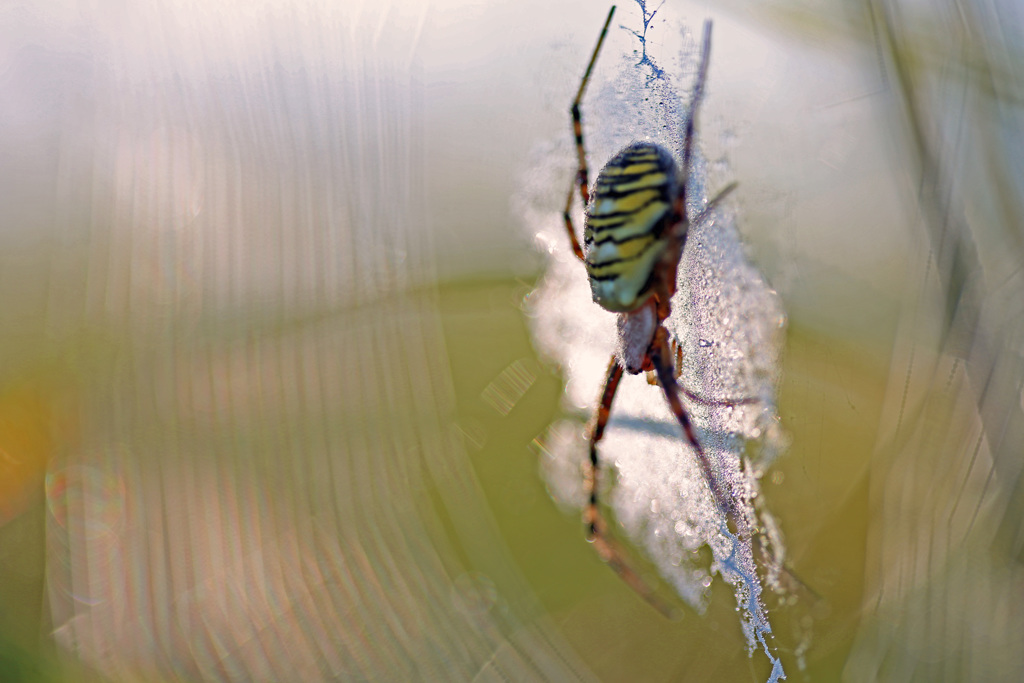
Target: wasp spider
633,238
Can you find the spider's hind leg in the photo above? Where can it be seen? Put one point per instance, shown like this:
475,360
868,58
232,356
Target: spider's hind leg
676,348
661,358
676,354
597,528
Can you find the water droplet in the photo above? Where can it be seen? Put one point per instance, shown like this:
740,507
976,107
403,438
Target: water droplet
704,343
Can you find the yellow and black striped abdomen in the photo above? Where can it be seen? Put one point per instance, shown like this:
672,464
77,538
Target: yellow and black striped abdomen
623,235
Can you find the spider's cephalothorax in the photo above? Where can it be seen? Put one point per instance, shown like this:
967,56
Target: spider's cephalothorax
623,236
635,230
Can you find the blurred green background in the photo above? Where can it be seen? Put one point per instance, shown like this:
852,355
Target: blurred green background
261,263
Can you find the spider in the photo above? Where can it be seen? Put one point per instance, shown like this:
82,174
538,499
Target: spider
634,234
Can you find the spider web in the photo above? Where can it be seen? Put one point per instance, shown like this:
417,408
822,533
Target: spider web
730,325
261,483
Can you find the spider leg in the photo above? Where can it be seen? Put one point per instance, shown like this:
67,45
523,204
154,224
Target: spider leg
713,203
676,353
582,180
788,581
660,355
677,364
691,120
597,528
720,402
677,356
567,217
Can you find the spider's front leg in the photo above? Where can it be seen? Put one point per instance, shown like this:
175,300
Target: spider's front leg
582,179
567,217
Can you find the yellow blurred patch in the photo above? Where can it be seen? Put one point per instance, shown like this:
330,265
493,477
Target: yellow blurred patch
26,444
